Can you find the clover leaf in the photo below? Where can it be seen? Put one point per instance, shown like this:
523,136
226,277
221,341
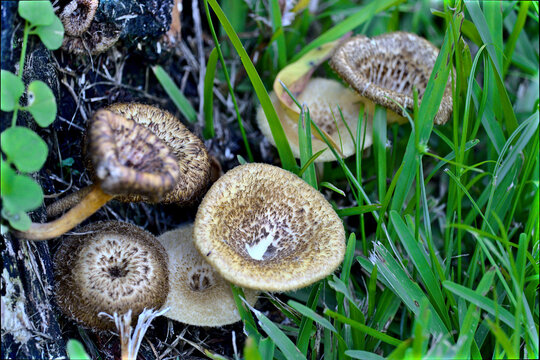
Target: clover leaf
24,148
51,35
12,89
18,220
37,12
41,103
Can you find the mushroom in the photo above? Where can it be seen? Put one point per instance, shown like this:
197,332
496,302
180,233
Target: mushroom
127,158
324,98
384,69
77,16
110,267
264,228
198,295
97,39
137,153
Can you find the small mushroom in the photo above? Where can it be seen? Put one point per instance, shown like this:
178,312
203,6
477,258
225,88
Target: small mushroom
385,68
264,228
198,295
77,16
110,267
324,98
127,158
97,39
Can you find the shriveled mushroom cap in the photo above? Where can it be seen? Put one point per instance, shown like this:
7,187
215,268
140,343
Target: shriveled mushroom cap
262,227
77,16
189,150
128,158
98,38
198,294
110,267
322,97
388,66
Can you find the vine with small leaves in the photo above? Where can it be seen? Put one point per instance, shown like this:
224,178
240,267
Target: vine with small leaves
23,151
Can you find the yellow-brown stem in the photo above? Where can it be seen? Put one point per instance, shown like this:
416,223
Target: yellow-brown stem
67,202
91,203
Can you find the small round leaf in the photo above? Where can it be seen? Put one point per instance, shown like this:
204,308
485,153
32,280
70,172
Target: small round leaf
12,89
37,12
24,148
41,103
19,220
22,193
51,35
75,350
7,175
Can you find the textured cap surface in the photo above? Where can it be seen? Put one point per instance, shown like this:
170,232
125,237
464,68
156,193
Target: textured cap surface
388,66
77,16
322,97
262,227
97,39
110,267
189,150
198,295
128,158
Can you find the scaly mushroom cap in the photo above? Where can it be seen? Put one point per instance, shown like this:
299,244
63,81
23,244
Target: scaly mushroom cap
110,267
128,158
77,16
198,295
189,150
97,39
262,227
388,66
322,97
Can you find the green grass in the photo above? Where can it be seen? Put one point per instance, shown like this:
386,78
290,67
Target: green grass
450,268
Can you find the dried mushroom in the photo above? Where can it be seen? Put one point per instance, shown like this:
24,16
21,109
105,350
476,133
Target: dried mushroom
385,69
111,267
262,227
198,295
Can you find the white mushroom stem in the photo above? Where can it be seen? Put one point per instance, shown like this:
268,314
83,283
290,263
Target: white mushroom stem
91,203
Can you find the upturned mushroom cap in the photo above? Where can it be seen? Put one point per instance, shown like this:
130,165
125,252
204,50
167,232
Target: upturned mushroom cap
128,158
322,97
198,295
262,227
77,16
388,66
110,267
189,150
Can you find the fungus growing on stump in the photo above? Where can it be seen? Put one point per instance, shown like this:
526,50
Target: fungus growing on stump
198,295
111,267
128,158
324,98
264,228
387,67
136,153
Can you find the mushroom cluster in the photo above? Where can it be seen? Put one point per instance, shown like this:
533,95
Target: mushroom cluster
383,71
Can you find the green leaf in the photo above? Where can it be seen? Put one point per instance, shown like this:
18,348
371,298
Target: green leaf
19,220
175,94
208,108
41,103
365,355
75,350
24,148
20,193
51,35
311,314
37,12
12,89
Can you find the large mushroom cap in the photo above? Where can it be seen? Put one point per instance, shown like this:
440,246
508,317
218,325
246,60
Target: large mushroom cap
128,158
388,66
110,267
262,227
189,150
324,98
198,295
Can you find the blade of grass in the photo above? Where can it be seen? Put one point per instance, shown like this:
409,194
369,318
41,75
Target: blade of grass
280,39
175,94
208,107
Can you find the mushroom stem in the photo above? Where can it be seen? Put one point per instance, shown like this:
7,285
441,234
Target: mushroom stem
91,203
67,202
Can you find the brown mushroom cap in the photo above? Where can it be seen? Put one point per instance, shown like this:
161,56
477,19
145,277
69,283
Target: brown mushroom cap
322,97
388,66
77,16
262,227
198,295
97,39
189,150
128,158
110,267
